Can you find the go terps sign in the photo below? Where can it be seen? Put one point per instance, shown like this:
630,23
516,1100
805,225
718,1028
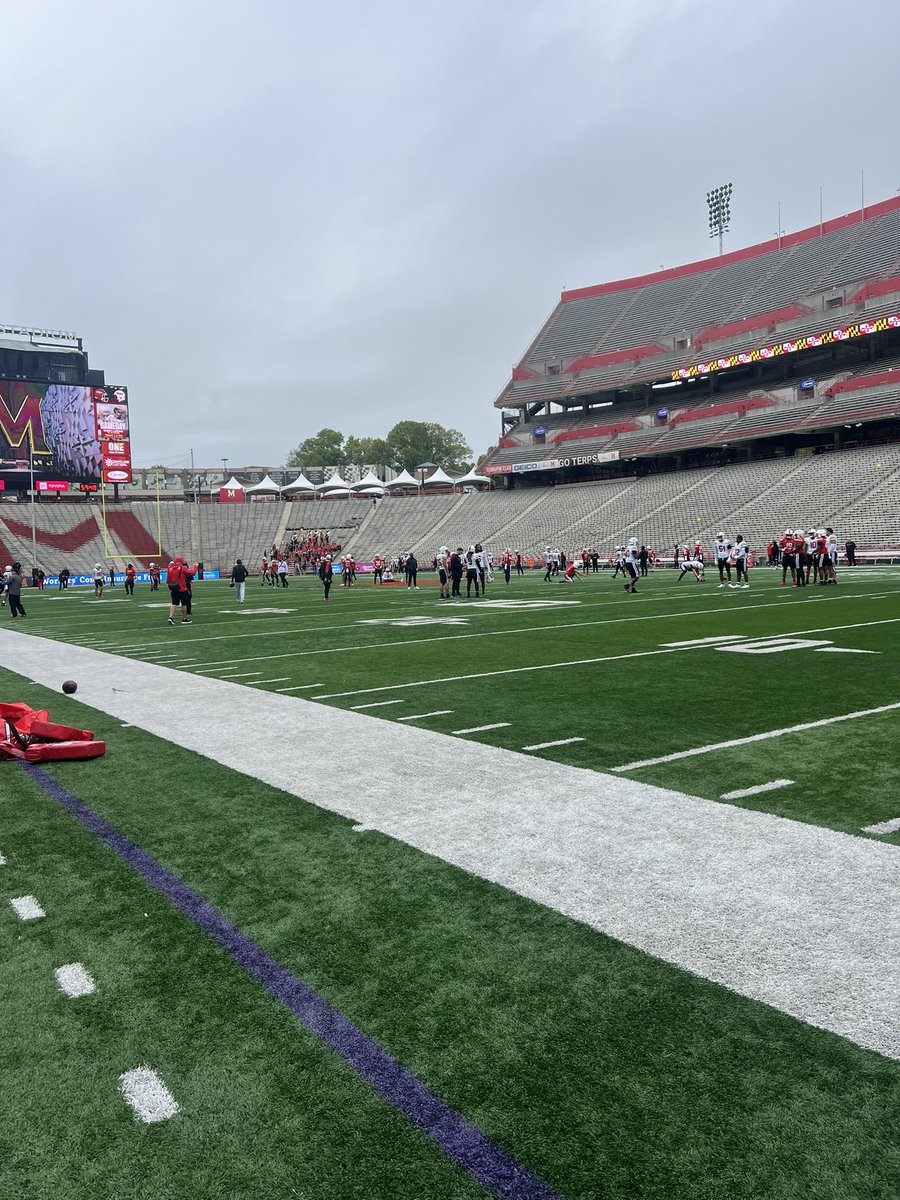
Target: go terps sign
113,433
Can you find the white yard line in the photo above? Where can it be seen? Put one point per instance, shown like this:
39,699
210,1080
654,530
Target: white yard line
261,682
147,1095
757,790
438,712
892,826
484,728
577,662
74,980
796,916
376,704
755,737
240,675
300,687
548,745
27,908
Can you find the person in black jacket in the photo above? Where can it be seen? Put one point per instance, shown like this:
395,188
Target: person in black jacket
456,572
239,575
412,572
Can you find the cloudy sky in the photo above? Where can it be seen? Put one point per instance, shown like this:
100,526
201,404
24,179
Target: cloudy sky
267,217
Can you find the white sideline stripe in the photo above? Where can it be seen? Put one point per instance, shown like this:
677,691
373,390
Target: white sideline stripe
483,728
842,650
74,980
438,712
740,793
147,1095
376,704
756,737
26,908
578,662
796,916
260,682
892,826
300,687
547,745
2,861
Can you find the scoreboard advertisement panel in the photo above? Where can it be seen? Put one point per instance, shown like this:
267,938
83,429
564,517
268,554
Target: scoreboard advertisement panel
77,434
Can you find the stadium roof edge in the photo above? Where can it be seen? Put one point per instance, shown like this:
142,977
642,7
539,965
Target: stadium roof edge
858,216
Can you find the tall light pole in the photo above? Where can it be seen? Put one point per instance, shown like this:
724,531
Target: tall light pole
224,468
719,201
31,472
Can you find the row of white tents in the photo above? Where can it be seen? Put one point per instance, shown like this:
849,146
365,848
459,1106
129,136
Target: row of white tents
371,485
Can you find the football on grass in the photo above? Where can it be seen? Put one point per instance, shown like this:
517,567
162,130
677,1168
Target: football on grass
70,686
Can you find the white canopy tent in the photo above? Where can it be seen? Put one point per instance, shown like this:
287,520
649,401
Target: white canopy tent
334,484
371,480
471,477
439,477
371,491
300,484
403,480
266,485
233,485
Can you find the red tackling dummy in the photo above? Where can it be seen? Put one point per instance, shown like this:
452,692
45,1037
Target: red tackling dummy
31,736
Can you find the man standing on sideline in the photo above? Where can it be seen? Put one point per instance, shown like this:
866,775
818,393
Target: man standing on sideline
14,584
850,551
177,577
456,573
412,572
326,574
282,572
130,576
239,580
642,559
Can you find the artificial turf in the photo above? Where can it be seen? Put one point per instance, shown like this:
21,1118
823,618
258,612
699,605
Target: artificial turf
604,1071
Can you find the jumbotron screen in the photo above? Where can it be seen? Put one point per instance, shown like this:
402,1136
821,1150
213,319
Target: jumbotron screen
79,434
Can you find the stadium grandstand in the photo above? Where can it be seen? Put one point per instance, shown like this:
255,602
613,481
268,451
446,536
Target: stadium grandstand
789,346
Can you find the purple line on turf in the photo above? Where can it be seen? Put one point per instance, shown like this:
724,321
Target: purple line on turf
461,1141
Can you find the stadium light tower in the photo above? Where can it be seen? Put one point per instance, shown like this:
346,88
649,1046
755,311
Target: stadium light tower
719,202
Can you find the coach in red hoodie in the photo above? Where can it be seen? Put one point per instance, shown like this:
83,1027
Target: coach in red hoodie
178,578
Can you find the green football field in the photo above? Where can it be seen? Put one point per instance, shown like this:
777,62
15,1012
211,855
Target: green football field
594,1067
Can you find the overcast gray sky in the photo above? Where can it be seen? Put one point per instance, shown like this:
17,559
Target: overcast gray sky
267,217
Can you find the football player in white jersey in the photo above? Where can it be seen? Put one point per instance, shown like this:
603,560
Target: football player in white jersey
632,565
722,551
739,554
442,563
691,565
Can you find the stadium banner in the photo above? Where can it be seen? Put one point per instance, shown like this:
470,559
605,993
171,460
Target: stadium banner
113,433
119,577
231,495
51,485
553,464
812,341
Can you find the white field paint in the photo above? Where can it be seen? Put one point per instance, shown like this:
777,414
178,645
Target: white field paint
281,632
2,861
756,737
578,662
26,908
883,827
484,728
548,745
438,712
707,641
376,704
74,980
239,675
300,687
757,790
796,916
149,1098
262,682
842,650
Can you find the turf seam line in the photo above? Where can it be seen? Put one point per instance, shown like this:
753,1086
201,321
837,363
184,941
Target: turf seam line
558,742
757,790
892,826
756,737
462,1142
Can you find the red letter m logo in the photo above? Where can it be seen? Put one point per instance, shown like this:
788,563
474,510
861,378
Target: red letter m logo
20,413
